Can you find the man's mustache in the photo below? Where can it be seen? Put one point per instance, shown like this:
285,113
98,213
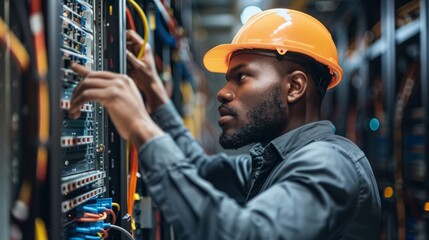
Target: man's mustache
227,109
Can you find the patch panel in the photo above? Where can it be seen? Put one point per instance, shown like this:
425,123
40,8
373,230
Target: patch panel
72,183
72,24
78,13
76,201
76,37
71,141
70,78
77,58
73,45
65,104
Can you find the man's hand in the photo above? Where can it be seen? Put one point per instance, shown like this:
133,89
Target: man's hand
143,72
119,94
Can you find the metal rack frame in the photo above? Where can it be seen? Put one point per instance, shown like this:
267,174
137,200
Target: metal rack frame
115,25
5,132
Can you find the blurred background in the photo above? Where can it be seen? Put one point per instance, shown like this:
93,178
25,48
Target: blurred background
50,162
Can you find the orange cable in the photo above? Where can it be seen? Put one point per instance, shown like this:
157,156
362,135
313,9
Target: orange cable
110,212
93,215
130,19
133,178
12,43
37,28
86,218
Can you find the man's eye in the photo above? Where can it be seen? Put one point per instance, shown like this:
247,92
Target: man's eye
242,76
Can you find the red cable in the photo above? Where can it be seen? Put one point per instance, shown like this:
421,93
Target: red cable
130,19
104,234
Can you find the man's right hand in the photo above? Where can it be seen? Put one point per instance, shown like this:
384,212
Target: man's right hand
120,96
143,72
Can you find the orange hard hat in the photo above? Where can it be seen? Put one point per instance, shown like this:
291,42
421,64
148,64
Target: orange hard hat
281,30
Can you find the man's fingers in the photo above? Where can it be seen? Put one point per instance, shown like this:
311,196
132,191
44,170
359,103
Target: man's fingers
100,78
148,51
93,94
134,41
133,36
79,69
91,83
132,59
102,74
84,72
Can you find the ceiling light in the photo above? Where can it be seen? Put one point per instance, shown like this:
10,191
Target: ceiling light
248,12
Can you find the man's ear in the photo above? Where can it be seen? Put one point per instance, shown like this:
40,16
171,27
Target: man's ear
298,82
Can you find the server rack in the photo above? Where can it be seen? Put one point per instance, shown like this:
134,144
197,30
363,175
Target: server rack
108,163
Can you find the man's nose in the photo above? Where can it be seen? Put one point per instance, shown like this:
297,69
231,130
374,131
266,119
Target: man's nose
225,94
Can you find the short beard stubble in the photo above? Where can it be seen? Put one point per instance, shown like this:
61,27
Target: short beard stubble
266,121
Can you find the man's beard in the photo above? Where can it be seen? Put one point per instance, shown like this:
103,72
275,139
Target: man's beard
266,121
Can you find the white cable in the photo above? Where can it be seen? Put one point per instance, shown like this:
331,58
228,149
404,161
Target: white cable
125,232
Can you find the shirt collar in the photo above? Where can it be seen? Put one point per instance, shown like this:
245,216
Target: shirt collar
301,136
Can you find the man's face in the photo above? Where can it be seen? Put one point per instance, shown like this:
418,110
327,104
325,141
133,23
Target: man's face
253,105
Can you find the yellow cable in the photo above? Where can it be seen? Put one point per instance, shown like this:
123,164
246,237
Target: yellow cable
146,26
133,225
40,230
117,206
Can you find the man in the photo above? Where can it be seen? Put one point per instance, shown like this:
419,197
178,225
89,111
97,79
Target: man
300,181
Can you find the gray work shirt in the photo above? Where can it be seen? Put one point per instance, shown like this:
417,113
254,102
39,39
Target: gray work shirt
306,184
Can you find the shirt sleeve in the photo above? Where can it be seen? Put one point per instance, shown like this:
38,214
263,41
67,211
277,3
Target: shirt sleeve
169,120
211,168
313,195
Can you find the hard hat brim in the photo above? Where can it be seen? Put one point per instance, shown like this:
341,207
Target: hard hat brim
217,59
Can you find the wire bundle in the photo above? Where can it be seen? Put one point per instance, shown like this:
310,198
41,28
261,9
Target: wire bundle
91,220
